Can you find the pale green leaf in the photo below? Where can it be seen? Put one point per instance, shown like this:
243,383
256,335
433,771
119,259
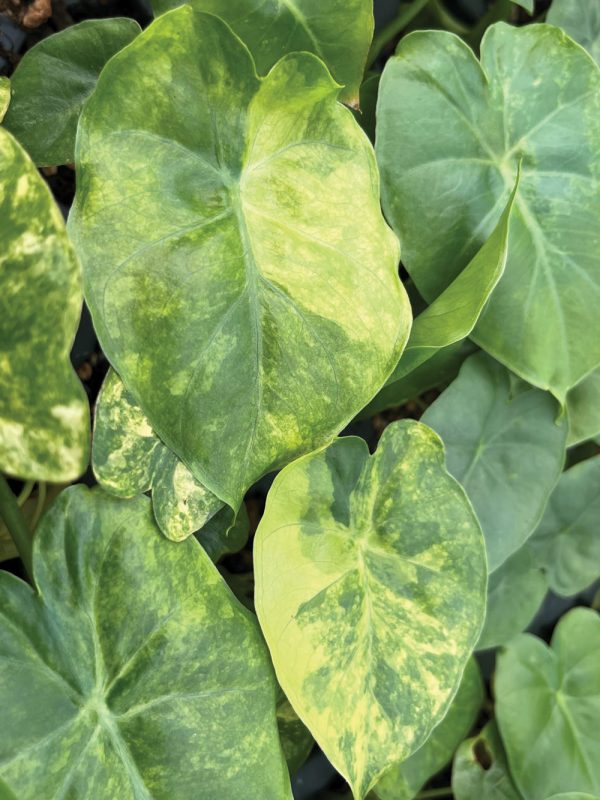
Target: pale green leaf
528,5
44,413
505,445
370,591
4,96
134,673
451,135
54,79
338,31
480,771
296,740
245,288
548,706
574,796
583,408
516,591
405,780
128,458
567,541
581,20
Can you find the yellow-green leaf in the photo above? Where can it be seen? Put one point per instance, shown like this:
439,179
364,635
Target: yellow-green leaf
4,96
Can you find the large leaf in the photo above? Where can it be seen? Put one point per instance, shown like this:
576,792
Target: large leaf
249,311
128,459
44,414
338,31
567,541
581,20
480,771
4,96
134,673
53,80
505,445
370,591
404,781
451,135
583,408
548,706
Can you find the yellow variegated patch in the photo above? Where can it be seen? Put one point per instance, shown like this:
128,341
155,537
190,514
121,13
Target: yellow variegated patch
4,96
370,590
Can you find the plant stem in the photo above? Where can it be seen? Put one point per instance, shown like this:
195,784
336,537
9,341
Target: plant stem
405,16
445,791
16,525
39,506
25,492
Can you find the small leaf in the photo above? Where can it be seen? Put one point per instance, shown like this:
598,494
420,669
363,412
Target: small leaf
583,409
480,771
581,20
548,706
505,445
128,458
370,591
405,780
248,312
4,96
52,82
296,739
566,542
338,31
528,5
134,673
44,413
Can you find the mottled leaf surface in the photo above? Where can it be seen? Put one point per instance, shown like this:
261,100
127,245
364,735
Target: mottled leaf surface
583,408
134,673
44,413
548,706
480,771
4,96
338,31
581,20
451,134
370,591
54,79
567,541
505,445
128,459
404,781
245,288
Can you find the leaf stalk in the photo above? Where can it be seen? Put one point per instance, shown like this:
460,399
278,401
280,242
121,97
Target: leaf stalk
16,526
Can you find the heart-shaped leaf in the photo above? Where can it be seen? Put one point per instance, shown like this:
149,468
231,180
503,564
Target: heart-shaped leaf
338,31
581,20
548,706
583,408
370,590
53,80
134,673
505,445
404,781
567,541
4,96
451,134
480,771
44,413
249,310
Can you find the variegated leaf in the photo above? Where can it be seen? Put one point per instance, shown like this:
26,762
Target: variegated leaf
4,96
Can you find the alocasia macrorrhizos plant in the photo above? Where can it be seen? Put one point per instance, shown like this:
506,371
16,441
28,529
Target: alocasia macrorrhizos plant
228,235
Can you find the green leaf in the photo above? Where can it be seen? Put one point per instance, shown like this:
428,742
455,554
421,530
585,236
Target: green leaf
581,20
249,312
296,739
370,591
225,533
566,542
54,79
480,771
583,409
134,673
574,796
4,96
338,31
528,5
128,459
451,135
515,592
505,445
548,706
405,780
366,114
44,413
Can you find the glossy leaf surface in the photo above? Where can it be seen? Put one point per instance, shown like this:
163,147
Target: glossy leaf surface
128,459
249,309
370,591
451,135
137,673
404,781
505,445
54,79
480,771
44,414
548,705
339,32
583,408
567,541
581,20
